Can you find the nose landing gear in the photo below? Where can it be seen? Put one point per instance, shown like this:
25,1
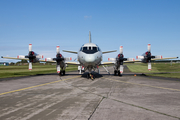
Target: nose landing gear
91,76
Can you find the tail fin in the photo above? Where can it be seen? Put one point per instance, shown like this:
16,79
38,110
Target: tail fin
89,36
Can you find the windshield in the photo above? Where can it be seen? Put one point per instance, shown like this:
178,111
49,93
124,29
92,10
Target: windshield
89,50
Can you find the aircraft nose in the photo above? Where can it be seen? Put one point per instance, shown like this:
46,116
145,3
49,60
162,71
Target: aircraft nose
90,58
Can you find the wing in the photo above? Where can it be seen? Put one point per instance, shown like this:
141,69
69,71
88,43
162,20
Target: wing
109,51
70,51
154,59
15,58
164,58
72,63
107,63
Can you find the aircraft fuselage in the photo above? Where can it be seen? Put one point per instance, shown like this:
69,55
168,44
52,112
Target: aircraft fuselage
90,56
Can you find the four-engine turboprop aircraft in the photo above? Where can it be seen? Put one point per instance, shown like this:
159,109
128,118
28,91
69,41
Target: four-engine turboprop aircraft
147,57
89,56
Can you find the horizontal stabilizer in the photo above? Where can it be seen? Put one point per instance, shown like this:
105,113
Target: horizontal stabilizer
109,51
70,51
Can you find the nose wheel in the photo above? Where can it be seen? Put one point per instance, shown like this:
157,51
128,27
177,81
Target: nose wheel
91,76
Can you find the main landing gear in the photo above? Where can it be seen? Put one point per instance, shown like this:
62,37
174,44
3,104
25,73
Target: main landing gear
117,72
62,73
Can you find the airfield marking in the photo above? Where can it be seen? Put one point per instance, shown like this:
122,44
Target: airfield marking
144,85
37,86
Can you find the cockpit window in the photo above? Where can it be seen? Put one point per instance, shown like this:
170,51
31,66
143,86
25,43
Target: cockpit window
89,50
98,49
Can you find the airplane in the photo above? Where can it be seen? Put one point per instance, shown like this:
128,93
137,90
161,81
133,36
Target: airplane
118,62
147,57
89,56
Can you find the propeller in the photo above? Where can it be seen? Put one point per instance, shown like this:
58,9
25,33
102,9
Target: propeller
149,47
31,56
58,58
121,58
149,56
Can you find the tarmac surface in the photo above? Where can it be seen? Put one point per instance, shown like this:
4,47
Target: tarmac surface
74,97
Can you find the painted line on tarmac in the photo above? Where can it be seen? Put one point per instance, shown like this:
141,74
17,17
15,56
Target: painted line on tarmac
37,86
144,85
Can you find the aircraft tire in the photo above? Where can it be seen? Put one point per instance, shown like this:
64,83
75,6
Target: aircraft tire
119,73
64,72
60,73
115,72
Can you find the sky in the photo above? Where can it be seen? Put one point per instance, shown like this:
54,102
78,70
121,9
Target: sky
113,23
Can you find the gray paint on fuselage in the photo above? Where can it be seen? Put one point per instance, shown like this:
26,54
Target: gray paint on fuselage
90,60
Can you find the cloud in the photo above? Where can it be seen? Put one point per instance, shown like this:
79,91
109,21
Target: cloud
87,17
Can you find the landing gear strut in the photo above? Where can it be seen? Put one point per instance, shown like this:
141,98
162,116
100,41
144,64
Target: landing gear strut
91,76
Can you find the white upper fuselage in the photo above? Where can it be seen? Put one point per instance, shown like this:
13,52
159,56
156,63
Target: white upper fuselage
90,55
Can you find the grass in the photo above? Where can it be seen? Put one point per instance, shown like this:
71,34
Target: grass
158,69
17,71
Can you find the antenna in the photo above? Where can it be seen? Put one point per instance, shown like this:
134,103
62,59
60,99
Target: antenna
89,36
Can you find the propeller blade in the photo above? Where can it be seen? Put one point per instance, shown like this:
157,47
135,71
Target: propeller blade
149,66
30,47
121,49
149,47
58,49
58,68
30,65
121,69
